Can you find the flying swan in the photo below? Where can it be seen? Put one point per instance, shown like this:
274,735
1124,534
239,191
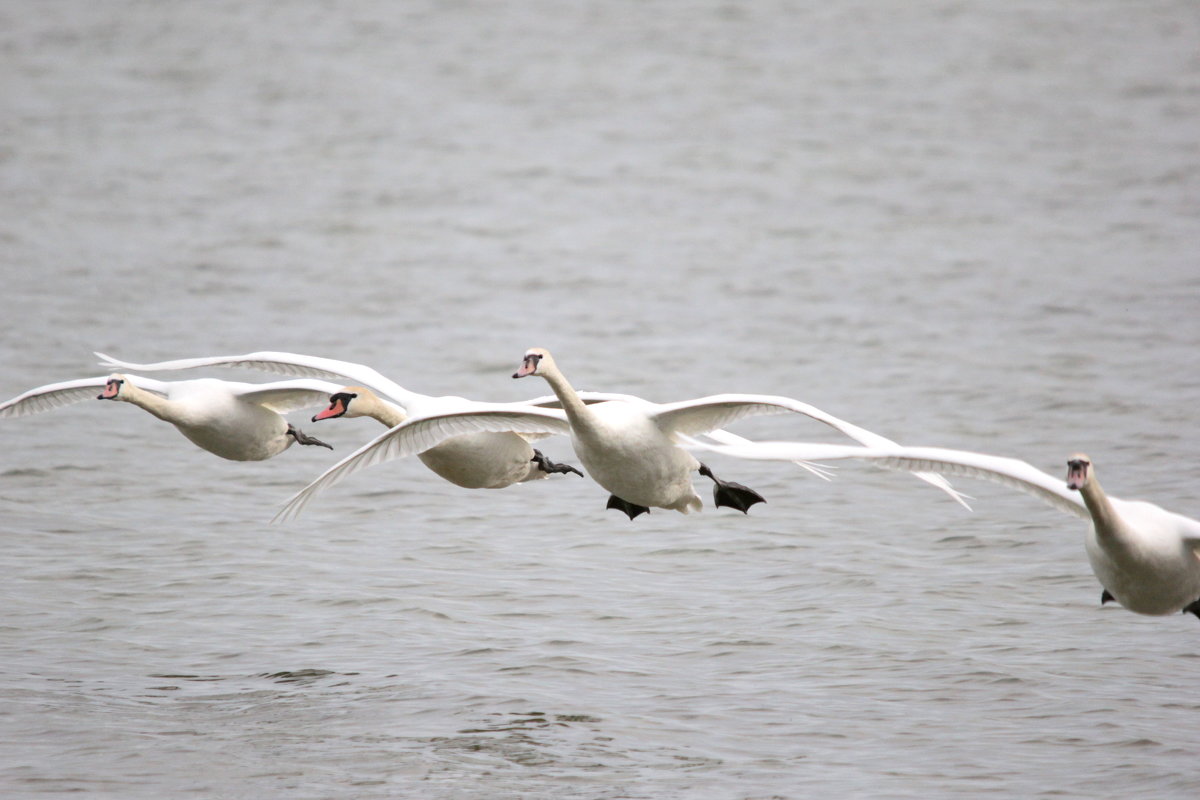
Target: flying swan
237,421
1145,557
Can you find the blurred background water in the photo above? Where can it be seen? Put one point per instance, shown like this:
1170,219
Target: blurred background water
963,224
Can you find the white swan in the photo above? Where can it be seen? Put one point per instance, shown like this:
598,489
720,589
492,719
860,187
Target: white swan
1145,557
237,421
629,446
479,460
641,441
485,460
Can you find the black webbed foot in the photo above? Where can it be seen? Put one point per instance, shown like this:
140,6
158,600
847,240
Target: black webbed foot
733,495
1193,607
632,509
550,467
303,438
1105,597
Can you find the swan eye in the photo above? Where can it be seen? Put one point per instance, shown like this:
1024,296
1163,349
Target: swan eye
532,359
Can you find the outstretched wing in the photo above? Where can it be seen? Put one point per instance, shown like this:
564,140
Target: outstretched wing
284,396
281,363
418,434
65,393
1007,471
704,414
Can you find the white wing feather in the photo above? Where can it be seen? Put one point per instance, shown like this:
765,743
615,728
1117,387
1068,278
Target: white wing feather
281,363
1007,471
65,393
286,396
705,414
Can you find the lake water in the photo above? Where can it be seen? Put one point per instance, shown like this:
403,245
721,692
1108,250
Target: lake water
962,224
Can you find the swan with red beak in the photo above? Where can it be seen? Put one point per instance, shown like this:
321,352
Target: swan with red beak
237,421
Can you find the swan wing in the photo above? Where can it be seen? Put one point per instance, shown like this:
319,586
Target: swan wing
1010,472
284,396
725,437
418,434
65,393
705,414
280,363
552,401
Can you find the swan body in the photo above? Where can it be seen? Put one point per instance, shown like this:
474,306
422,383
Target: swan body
624,451
1145,557
483,460
236,421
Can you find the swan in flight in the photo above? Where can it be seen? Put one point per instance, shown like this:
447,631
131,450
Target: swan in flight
237,421
1145,557
490,459
629,446
483,460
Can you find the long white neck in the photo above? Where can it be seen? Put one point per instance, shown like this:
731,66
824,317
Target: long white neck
365,403
389,414
577,410
1105,519
157,405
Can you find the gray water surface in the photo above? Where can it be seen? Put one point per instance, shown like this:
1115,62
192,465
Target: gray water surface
961,224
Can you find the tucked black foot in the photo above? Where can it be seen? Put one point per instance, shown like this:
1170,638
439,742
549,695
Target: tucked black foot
632,509
1193,607
549,467
1105,597
303,438
733,495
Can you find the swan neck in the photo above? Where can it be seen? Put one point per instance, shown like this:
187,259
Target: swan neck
575,407
159,406
1104,517
388,414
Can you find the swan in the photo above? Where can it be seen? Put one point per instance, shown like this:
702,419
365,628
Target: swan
640,453
477,460
484,460
629,446
1145,557
237,421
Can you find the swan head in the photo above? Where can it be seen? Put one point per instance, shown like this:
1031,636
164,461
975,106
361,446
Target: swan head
535,362
112,388
342,403
1079,471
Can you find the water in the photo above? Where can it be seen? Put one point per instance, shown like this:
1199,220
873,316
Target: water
959,224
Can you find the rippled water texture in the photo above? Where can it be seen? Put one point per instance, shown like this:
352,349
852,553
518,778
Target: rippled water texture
964,224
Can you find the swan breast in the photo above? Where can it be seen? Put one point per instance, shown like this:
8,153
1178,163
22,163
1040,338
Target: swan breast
485,460
1149,564
624,451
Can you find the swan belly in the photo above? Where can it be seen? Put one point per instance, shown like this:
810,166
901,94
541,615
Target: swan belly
486,460
1148,574
629,456
239,432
